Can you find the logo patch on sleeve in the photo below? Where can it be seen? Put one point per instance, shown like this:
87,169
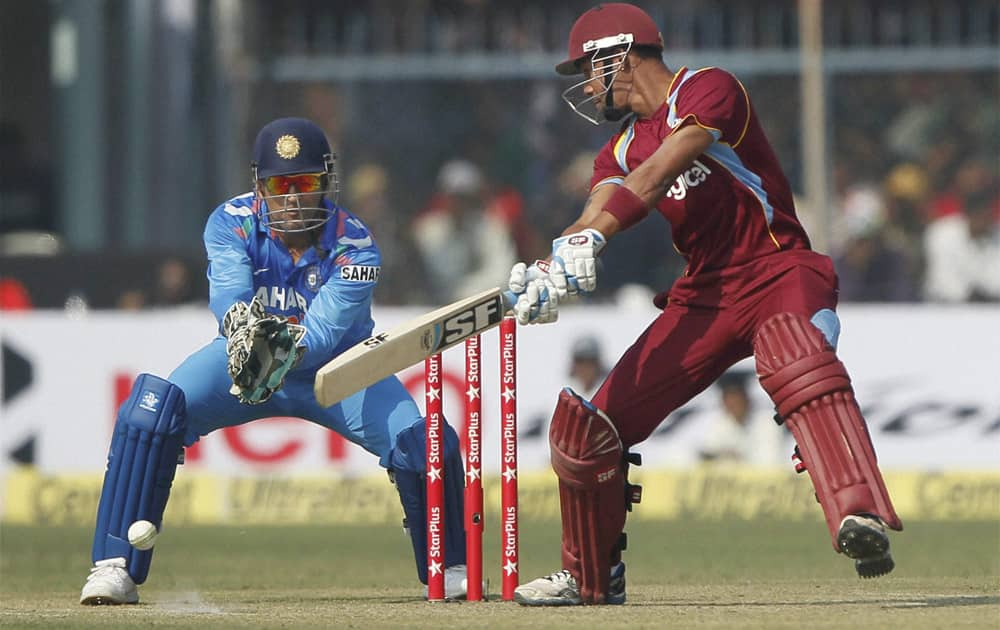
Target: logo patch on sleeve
360,273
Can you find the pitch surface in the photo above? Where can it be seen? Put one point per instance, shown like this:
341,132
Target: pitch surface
730,574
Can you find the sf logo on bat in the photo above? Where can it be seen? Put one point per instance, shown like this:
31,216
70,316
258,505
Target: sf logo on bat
375,340
466,323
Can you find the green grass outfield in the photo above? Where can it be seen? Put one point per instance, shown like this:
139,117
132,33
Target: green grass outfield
681,574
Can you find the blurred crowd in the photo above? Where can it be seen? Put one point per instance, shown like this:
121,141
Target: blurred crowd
519,26
917,183
915,186
497,168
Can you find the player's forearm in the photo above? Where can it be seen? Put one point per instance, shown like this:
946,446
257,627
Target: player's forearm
321,341
328,320
649,182
674,156
643,188
603,222
610,208
230,272
593,215
651,179
226,290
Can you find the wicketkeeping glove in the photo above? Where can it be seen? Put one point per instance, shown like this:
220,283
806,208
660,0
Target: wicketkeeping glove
576,256
261,350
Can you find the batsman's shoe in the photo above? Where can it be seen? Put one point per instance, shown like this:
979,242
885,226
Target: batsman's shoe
862,538
109,583
560,589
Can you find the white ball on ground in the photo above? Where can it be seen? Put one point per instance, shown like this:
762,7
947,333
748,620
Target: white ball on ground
142,535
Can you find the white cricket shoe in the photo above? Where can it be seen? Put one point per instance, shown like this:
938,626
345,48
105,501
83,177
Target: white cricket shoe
862,538
557,589
560,589
109,583
456,582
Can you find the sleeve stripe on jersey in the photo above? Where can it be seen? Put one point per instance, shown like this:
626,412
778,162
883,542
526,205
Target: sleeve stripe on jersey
727,158
621,147
238,211
716,133
617,180
244,229
746,125
672,97
672,112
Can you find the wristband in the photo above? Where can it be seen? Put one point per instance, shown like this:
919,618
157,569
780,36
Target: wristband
627,207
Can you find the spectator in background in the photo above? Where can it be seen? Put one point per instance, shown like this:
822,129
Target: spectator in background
13,295
464,240
906,190
368,193
586,373
168,282
131,300
738,432
962,247
174,285
571,191
586,369
922,114
873,264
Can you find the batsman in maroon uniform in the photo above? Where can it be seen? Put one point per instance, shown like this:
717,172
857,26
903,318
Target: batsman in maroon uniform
690,146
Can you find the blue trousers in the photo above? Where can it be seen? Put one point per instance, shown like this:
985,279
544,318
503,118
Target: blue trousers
370,418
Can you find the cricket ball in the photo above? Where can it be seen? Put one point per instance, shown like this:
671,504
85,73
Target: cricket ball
142,535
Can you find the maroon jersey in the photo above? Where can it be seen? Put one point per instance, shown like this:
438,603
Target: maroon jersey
734,204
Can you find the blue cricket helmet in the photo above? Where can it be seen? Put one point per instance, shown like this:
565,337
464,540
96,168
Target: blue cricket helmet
290,146
295,146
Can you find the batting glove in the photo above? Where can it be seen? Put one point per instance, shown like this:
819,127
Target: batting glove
576,256
538,304
536,296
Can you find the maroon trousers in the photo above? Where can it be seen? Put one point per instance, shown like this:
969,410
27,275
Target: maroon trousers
708,325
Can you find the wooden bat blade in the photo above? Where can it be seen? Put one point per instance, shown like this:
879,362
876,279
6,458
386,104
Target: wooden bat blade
386,353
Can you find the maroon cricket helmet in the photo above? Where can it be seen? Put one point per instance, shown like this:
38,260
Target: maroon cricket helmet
608,25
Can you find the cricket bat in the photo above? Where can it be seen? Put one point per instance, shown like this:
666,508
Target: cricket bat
386,353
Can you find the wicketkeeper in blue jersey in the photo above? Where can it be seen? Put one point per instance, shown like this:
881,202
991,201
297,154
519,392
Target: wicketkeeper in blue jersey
291,276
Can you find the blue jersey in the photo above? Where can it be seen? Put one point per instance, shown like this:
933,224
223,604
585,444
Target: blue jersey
329,290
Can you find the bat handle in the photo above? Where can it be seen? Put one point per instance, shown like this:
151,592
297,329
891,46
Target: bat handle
509,299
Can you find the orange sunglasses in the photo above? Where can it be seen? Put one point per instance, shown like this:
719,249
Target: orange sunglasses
282,184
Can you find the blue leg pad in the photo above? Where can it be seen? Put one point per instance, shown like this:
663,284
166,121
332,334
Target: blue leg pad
145,448
407,461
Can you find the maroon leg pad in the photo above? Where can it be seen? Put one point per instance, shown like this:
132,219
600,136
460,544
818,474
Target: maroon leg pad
812,392
587,456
